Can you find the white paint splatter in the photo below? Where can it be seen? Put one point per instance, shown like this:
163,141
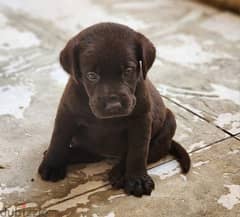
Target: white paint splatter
231,199
11,38
196,118
181,137
185,128
226,93
200,163
10,190
61,13
225,24
195,172
3,59
234,151
209,42
19,63
95,206
3,20
229,120
219,92
58,74
197,145
183,177
186,51
14,100
116,196
203,149
81,210
111,214
214,68
166,170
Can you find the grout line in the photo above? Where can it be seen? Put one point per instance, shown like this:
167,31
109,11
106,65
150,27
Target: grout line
236,138
201,117
191,152
78,195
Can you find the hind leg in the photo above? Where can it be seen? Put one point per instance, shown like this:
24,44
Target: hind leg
160,144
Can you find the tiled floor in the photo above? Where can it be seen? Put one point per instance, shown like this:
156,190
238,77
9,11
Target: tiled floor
197,71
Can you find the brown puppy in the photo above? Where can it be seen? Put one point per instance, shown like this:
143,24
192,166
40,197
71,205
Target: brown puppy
109,108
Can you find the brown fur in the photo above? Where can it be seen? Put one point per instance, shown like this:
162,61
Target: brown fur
233,5
115,111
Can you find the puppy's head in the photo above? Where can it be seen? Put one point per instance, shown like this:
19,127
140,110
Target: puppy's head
108,60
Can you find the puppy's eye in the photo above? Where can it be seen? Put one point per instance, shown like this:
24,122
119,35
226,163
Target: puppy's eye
92,76
128,72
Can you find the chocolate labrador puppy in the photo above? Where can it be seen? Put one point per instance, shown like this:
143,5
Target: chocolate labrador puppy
110,109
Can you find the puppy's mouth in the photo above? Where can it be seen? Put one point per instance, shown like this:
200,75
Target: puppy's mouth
114,110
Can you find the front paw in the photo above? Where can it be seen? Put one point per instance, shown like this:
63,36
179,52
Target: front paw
139,185
49,173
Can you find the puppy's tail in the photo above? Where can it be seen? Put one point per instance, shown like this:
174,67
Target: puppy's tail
182,156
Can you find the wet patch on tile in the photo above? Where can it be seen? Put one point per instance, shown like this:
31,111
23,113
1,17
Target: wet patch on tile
194,189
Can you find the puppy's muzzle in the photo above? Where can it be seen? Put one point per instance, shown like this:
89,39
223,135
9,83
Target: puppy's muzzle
113,104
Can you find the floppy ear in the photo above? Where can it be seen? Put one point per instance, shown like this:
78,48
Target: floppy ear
147,53
69,59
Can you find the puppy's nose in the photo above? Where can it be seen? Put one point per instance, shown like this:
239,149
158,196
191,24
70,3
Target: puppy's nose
113,104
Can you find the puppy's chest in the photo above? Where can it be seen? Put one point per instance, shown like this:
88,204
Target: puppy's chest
105,137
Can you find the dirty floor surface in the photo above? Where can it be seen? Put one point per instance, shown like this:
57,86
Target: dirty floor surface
197,71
